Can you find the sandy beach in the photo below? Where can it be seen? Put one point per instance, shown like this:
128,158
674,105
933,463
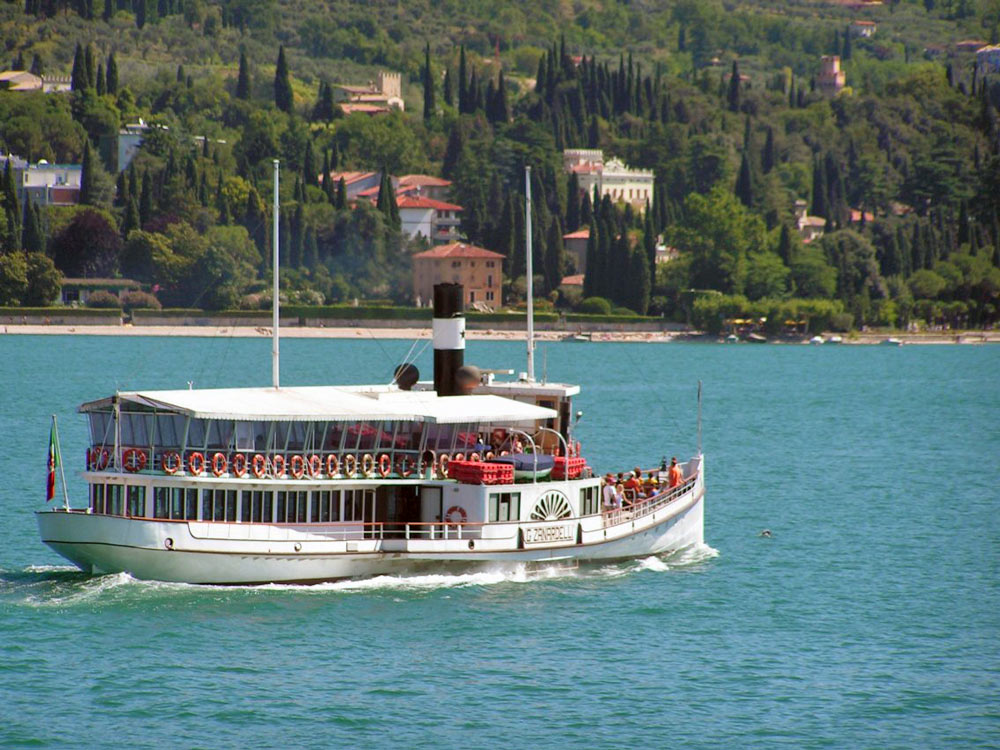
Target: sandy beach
298,332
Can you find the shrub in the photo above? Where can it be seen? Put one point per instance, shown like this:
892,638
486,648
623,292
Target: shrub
595,306
139,301
100,298
841,322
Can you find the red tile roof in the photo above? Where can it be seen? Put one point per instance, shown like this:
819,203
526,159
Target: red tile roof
459,250
350,177
574,280
423,180
579,234
420,201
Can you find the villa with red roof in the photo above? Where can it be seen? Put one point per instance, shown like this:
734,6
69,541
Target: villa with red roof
436,220
356,183
478,270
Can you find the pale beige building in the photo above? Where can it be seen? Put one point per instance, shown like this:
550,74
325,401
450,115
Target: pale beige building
831,78
612,178
380,95
477,269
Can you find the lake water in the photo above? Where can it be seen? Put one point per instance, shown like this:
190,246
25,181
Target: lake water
870,617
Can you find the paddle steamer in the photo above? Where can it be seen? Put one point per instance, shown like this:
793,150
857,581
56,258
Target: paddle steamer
309,484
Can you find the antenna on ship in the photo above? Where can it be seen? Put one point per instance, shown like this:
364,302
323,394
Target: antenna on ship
275,312
530,285
699,417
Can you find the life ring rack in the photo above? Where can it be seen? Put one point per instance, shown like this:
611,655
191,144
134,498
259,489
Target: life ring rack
133,460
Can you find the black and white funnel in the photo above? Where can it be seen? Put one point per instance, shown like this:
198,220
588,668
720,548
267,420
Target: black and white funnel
449,337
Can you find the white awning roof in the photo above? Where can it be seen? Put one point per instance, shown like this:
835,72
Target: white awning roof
331,403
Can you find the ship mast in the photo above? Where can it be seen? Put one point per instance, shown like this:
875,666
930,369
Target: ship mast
529,288
275,312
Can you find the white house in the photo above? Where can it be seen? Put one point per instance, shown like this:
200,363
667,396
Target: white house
863,28
51,184
436,220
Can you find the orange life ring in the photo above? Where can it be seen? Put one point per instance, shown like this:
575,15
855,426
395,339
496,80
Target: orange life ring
332,465
404,466
170,466
133,460
297,466
368,464
350,464
239,465
101,459
384,465
442,464
196,463
315,465
463,516
219,464
258,467
276,462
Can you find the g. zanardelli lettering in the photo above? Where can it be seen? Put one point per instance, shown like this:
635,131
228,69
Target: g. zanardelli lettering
548,534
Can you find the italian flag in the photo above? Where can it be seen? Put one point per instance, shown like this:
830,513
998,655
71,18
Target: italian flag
50,484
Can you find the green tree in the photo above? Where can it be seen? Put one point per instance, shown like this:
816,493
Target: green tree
428,80
13,278
44,280
243,78
111,75
283,97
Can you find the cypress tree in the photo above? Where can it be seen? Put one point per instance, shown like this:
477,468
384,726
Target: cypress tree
586,209
785,245
111,85
768,158
502,108
341,202
297,249
78,76
131,220
327,184
141,12
448,98
310,256
462,82
733,96
639,282
32,239
109,10
819,196
282,83
101,80
243,79
428,84
572,203
88,184
309,167
553,259
744,186
121,190
649,241
146,199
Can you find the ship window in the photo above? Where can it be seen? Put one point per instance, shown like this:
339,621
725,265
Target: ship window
100,428
230,505
113,499
135,428
196,434
326,506
244,436
262,505
589,501
177,503
280,500
246,508
97,498
191,501
169,429
161,502
505,506
136,501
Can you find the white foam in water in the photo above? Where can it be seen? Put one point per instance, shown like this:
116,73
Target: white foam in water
52,569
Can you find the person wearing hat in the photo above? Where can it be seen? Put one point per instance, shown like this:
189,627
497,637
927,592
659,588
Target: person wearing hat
676,476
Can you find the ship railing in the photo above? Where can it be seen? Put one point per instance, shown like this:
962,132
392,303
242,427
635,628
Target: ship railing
338,531
646,506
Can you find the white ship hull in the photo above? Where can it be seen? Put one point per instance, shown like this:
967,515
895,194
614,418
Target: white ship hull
233,553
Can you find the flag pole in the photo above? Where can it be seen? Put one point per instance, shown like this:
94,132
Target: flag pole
62,470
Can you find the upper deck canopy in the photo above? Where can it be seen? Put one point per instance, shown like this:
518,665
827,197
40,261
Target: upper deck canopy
329,403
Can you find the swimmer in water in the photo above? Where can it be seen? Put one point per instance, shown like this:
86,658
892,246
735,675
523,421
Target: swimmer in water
766,533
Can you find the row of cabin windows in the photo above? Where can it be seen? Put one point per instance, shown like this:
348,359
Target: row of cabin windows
245,506
168,430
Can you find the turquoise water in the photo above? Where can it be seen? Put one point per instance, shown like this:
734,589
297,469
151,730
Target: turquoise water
870,618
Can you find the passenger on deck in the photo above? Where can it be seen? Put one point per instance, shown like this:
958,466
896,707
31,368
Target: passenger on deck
634,481
676,475
609,493
620,495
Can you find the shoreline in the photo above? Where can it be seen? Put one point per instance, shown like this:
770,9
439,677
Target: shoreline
300,332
